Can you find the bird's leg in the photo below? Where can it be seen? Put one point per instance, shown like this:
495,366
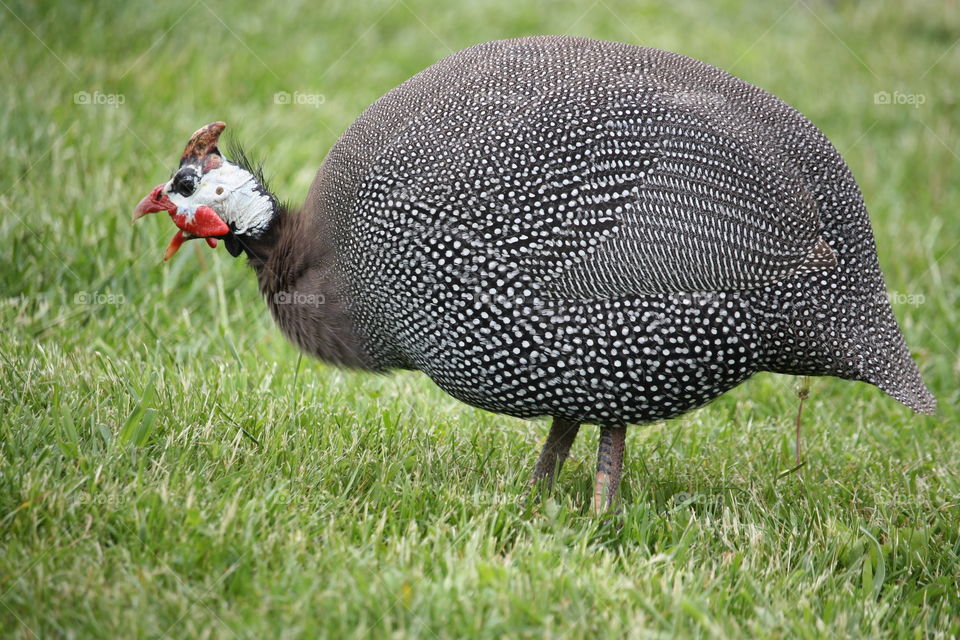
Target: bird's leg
609,467
803,392
555,450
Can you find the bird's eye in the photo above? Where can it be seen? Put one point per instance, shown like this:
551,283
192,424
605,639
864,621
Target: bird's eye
185,183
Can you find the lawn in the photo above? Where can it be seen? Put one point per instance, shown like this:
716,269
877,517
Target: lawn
169,467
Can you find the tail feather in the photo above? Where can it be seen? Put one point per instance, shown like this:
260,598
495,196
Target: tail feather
887,364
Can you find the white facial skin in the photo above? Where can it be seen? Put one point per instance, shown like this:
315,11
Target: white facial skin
234,194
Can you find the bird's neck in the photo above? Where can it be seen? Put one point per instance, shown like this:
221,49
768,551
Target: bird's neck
259,248
298,276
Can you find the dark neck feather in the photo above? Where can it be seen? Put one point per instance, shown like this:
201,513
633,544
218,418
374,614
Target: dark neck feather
258,250
296,268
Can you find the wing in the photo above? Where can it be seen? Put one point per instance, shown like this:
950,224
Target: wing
672,195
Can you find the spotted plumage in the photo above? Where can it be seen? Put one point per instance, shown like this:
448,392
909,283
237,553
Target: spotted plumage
558,226
593,231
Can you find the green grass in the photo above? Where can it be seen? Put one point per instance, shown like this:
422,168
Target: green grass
168,468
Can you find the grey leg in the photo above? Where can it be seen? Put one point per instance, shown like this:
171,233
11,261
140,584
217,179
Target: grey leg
609,467
556,449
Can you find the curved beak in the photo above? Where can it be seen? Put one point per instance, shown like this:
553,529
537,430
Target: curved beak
156,201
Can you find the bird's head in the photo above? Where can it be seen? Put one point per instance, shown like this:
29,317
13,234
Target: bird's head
209,197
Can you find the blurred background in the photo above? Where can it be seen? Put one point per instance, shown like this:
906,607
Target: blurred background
181,361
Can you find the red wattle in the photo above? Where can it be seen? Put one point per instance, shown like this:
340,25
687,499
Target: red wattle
204,223
207,223
174,245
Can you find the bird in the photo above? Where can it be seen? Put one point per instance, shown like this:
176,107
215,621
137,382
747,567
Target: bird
559,227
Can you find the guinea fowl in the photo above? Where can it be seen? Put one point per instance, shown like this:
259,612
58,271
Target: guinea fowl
555,226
